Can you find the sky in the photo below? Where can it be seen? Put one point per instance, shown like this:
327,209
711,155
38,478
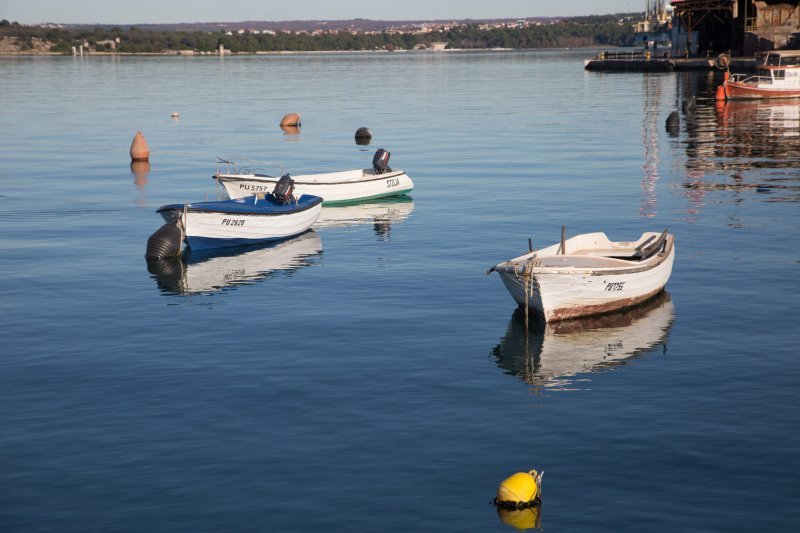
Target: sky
171,11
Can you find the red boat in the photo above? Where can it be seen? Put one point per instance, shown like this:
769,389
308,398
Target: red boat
777,77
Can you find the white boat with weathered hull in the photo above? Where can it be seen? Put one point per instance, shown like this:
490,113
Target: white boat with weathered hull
242,221
333,187
589,274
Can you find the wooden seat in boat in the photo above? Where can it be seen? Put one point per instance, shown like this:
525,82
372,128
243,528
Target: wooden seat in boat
582,261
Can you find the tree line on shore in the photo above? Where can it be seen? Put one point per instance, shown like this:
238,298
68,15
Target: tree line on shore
599,30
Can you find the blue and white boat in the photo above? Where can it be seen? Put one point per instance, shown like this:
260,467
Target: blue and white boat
242,221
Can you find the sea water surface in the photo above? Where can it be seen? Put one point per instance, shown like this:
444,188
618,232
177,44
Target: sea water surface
368,376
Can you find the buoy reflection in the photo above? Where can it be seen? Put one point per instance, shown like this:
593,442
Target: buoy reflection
551,355
521,519
291,131
140,170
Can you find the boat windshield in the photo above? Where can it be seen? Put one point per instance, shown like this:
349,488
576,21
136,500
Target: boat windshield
790,61
775,60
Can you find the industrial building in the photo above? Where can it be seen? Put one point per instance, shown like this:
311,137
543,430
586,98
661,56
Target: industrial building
739,27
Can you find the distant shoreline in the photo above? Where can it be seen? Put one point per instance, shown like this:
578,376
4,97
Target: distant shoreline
578,32
176,53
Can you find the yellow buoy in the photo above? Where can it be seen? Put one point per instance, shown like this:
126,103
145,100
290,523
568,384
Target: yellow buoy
522,487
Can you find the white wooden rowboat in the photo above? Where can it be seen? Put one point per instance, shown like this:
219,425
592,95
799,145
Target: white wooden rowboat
333,187
589,274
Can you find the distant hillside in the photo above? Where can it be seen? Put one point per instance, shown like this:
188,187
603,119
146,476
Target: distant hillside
302,36
358,25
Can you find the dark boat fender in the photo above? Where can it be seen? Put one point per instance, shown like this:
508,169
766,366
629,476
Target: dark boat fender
165,242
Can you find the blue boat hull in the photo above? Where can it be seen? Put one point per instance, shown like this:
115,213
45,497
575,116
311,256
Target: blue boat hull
208,243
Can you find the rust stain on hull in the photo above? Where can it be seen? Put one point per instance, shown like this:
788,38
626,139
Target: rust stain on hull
567,313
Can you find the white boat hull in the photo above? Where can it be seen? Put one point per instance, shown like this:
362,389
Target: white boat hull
585,285
334,187
210,229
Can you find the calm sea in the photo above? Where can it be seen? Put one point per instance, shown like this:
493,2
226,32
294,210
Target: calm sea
369,376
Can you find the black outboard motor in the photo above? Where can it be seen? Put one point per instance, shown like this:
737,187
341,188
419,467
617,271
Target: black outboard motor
380,162
284,190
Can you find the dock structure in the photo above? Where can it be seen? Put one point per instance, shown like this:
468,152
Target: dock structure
630,63
692,34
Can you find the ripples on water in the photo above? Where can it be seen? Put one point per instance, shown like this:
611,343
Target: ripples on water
367,375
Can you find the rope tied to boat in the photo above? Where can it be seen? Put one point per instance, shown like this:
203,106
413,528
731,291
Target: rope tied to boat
182,221
528,281
523,276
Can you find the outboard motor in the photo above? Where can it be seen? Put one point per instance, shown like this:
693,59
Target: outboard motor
380,162
284,189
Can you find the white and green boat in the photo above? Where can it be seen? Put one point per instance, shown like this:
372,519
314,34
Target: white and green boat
342,187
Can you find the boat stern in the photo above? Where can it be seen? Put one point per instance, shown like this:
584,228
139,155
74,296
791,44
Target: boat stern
171,213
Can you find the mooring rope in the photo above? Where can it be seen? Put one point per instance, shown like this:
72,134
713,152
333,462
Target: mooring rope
182,222
527,283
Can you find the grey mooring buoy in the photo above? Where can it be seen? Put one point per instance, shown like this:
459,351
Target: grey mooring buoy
363,136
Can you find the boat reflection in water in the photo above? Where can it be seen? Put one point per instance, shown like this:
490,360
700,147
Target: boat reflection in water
742,147
209,271
382,214
751,134
549,354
